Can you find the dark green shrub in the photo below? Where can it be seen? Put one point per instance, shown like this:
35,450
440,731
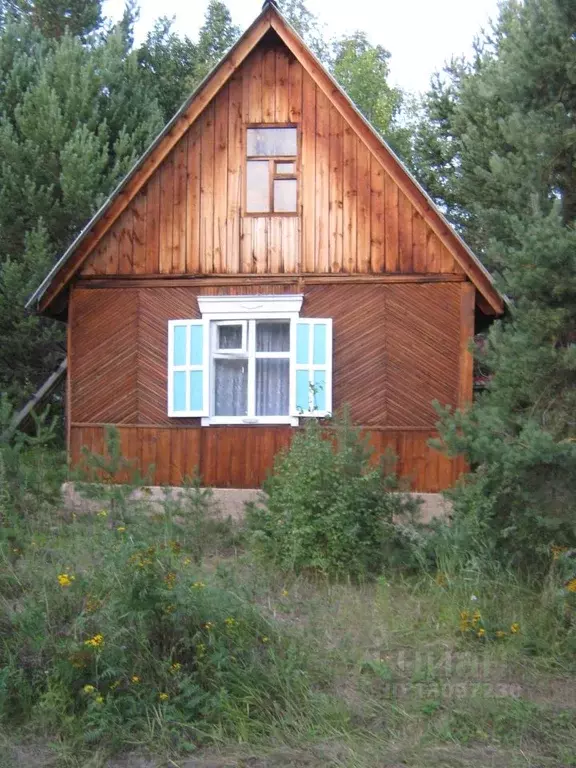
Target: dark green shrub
328,507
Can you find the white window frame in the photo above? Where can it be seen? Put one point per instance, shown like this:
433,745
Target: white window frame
216,309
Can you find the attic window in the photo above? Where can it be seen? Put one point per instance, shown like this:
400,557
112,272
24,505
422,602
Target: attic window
271,170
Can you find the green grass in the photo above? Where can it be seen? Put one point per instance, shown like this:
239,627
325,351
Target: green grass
308,673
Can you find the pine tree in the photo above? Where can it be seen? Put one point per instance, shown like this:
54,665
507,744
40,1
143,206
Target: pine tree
74,119
53,18
500,133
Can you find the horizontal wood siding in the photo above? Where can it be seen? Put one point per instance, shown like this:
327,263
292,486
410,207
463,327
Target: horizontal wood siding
241,457
188,218
397,347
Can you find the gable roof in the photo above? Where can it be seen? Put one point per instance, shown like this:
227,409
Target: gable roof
45,296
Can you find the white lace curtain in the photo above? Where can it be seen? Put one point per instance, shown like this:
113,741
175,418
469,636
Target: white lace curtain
272,376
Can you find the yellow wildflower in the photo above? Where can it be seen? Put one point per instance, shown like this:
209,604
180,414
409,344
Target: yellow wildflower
135,679
163,697
464,615
102,513
65,580
230,622
176,667
265,639
515,628
500,634
95,642
99,699
284,593
200,650
198,585
175,546
476,616
186,561
209,625
571,585
121,528
88,689
557,551
114,685
481,632
169,580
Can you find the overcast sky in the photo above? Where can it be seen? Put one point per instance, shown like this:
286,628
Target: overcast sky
420,34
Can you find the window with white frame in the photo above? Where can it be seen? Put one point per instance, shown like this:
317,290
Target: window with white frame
250,360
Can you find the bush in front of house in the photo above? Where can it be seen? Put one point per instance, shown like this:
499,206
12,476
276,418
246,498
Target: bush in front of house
328,508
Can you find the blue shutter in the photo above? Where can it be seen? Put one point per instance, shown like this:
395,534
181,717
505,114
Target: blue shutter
312,367
187,368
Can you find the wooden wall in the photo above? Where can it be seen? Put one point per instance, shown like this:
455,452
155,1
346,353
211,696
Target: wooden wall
396,348
240,457
189,219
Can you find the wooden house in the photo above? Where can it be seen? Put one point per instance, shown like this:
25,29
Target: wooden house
268,259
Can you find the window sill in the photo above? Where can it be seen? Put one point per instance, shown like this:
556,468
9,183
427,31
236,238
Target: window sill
245,421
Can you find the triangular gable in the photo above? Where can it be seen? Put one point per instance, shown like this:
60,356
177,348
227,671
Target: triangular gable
112,215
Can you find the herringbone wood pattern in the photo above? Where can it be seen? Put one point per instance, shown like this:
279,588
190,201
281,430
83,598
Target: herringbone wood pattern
395,350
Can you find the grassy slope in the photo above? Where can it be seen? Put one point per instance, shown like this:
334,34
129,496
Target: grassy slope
412,691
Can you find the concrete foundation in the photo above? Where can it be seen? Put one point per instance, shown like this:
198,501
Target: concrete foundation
227,502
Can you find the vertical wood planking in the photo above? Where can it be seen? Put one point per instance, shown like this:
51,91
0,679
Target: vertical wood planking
193,200
404,234
269,86
189,219
391,225
350,201
275,244
466,373
433,253
448,263
377,244
207,191
236,154
291,244
281,105
294,90
254,114
166,213
180,206
220,179
418,242
260,244
139,233
336,191
308,175
322,188
153,225
363,185
125,243
241,457
163,456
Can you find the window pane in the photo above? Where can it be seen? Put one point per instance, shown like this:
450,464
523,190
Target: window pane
272,142
179,345
196,344
285,195
231,387
272,387
285,167
229,336
179,391
272,337
257,187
